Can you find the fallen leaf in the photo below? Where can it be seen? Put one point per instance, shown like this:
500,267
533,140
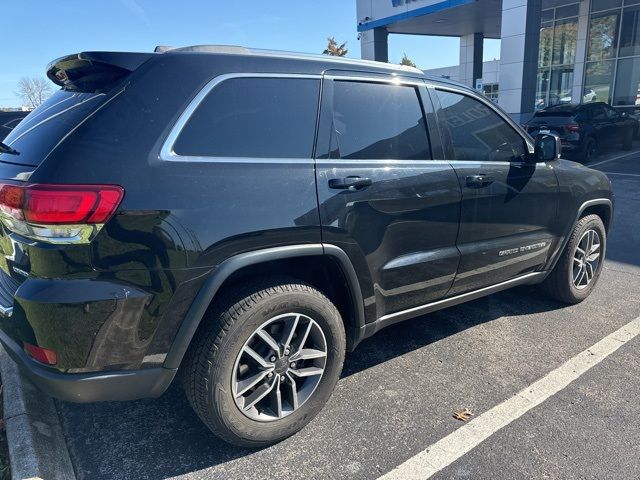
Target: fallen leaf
463,414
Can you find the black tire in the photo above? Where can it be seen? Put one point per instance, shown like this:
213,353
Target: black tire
627,144
590,150
560,284
210,363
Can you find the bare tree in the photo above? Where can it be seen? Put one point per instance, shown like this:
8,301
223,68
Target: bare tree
334,49
33,91
407,61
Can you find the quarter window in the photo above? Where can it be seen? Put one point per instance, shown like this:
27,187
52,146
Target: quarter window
476,132
377,121
255,118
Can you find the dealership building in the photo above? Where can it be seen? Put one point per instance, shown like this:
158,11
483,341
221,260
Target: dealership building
552,51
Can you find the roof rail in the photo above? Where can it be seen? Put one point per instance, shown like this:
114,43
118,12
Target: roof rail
234,49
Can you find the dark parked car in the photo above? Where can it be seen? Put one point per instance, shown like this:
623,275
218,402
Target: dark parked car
584,128
9,121
243,218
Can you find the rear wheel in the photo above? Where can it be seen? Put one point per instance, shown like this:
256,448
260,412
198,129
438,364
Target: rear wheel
265,362
578,269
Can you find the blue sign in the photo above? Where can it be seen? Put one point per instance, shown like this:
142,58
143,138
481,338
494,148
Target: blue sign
399,3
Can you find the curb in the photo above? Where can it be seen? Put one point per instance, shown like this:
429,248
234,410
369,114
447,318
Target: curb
37,448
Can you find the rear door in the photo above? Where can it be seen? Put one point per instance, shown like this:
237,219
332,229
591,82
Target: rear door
383,199
508,203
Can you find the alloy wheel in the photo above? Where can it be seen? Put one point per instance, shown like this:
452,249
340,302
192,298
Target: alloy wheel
586,259
279,367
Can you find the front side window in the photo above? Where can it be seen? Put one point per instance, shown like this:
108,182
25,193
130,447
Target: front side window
254,118
599,113
377,121
476,132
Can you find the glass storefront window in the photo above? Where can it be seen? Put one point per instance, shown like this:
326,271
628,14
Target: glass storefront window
627,91
599,5
630,32
564,42
603,36
598,77
490,90
546,43
568,11
560,85
556,55
547,16
542,87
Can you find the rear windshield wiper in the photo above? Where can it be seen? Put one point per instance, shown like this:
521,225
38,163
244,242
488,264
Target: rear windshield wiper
7,149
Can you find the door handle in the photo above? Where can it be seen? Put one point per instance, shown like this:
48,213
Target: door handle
349,183
479,181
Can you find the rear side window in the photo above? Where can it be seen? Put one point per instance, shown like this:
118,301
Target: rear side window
253,117
377,121
476,132
40,131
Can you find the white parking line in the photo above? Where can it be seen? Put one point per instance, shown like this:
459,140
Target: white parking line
613,159
623,174
450,448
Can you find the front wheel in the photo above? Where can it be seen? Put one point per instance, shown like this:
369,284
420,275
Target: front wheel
578,269
265,362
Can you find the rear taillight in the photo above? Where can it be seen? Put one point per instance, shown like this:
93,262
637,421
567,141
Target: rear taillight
42,355
58,213
572,128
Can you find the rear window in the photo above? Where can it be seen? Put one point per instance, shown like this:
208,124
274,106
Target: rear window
40,131
378,121
254,118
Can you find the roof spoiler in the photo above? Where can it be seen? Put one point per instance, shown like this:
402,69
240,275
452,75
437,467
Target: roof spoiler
93,71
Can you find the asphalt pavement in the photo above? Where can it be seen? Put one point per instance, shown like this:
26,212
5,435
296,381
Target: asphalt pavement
400,388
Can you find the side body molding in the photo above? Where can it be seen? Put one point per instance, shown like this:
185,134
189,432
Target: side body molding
228,267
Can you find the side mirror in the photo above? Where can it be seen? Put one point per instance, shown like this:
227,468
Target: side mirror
548,147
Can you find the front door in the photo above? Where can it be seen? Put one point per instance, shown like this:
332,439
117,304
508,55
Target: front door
382,198
509,204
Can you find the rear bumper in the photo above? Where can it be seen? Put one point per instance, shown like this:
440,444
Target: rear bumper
91,387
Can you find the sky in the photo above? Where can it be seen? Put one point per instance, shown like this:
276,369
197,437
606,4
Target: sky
43,30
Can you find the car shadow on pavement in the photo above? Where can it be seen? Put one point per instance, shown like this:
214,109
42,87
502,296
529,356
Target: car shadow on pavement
407,336
160,438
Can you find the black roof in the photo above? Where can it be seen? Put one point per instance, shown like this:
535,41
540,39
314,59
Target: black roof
129,61
570,107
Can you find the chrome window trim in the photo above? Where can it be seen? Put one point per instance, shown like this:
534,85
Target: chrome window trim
389,78
168,154
380,161
490,105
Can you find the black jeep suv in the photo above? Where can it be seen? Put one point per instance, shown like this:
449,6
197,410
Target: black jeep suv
585,128
238,219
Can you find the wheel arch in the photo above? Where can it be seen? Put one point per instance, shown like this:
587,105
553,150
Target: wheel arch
229,270
603,207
